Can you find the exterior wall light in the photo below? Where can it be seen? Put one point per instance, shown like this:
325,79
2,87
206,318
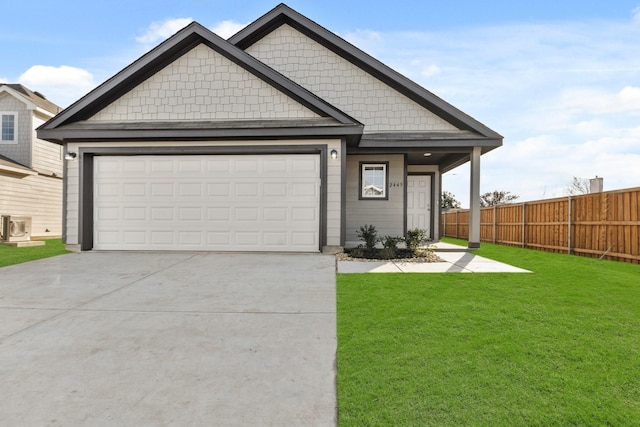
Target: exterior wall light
70,155
334,154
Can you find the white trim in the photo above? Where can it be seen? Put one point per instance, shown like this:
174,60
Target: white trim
15,127
363,188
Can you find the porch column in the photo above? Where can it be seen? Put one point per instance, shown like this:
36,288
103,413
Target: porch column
474,200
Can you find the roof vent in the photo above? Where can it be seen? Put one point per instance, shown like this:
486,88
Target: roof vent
40,95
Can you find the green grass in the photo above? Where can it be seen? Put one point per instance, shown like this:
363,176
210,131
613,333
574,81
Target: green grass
558,347
10,255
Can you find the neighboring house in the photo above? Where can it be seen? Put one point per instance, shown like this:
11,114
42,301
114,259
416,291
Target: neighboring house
31,169
283,138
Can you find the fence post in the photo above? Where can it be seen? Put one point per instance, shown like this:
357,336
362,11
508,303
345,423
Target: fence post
443,224
569,228
457,225
494,223
524,223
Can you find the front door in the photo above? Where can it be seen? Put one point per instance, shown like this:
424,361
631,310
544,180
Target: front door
419,202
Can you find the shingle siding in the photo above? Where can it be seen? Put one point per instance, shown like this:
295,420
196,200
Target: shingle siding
21,151
203,85
346,86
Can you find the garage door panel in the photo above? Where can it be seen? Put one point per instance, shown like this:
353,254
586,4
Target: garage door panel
249,203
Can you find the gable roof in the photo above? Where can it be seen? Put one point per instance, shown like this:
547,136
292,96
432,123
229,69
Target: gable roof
68,124
282,14
36,98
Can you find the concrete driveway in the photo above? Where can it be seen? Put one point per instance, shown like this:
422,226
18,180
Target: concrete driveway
184,339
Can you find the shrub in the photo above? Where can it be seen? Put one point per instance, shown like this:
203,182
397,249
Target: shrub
415,238
389,246
369,234
388,253
424,252
357,252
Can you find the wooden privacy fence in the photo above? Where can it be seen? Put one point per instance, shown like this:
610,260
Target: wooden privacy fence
603,225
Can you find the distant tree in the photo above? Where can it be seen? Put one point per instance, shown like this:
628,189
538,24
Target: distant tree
496,197
449,201
578,186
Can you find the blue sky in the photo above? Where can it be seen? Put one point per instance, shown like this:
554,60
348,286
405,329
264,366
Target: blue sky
559,79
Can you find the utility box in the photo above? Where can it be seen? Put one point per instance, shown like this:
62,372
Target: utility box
16,228
596,185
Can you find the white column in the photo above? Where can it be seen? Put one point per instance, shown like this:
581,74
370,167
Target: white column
474,200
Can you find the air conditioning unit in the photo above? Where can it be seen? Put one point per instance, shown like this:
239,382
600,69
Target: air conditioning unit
16,228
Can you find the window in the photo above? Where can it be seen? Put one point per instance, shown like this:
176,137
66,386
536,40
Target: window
373,180
8,124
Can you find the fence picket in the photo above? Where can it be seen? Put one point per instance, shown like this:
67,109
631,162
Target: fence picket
597,225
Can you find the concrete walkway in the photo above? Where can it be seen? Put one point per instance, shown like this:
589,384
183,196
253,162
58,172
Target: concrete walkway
168,339
456,260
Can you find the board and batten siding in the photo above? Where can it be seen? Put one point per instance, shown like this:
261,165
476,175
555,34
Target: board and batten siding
386,215
72,208
344,85
37,196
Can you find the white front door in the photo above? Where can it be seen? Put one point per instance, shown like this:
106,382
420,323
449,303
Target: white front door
207,202
419,202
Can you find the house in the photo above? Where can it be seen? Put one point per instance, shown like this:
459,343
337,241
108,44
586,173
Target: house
31,169
283,138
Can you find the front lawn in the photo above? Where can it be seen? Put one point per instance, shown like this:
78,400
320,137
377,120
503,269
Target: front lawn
557,347
11,255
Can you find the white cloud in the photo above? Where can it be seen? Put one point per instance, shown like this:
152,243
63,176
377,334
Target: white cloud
159,31
62,85
635,15
595,101
226,29
565,95
430,70
368,41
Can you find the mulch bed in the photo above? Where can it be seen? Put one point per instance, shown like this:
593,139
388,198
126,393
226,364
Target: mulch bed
402,256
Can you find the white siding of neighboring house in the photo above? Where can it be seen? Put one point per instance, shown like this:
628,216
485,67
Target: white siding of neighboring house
342,84
39,197
203,85
47,156
333,180
386,215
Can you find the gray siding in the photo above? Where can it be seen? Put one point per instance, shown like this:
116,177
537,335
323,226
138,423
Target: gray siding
20,152
386,215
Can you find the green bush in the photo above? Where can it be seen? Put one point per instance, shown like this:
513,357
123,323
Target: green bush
389,247
369,234
415,238
357,252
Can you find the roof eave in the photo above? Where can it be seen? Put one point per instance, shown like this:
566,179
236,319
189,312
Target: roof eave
62,135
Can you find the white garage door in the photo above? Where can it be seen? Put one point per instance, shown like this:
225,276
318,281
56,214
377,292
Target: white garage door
212,202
